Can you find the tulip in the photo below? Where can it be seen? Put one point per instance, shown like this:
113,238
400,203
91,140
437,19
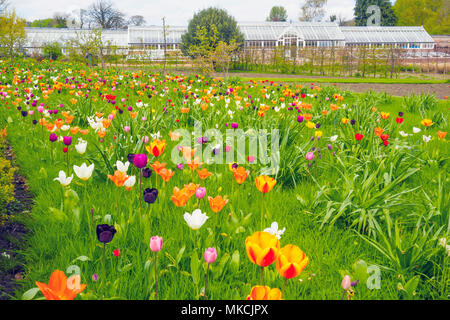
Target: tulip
63,179
81,146
146,172
200,192
84,172
240,174
105,233
122,167
217,203
210,256
156,243
179,197
53,137
129,183
262,249
203,173
359,136
140,160
309,156
291,261
61,288
157,147
150,195
118,178
67,140
265,183
195,220
264,293
346,282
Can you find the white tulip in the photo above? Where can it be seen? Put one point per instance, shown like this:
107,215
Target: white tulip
196,219
63,179
129,183
426,138
333,138
403,134
416,130
274,230
122,167
81,146
84,172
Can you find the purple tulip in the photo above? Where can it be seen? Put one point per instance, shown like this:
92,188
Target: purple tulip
67,140
140,160
53,137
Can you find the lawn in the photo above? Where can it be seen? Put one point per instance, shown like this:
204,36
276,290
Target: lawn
361,185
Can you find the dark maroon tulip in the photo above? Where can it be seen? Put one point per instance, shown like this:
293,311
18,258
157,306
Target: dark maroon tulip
105,233
150,195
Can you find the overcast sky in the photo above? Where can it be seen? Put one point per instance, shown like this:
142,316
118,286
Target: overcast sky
178,12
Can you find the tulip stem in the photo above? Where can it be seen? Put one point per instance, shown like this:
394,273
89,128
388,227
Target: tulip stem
156,278
262,274
140,193
206,280
262,211
284,287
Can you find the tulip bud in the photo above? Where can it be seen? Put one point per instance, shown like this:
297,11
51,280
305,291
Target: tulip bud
346,282
156,243
210,255
200,193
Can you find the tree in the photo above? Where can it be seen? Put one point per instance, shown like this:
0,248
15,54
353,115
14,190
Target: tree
277,13
432,14
362,14
313,10
90,42
60,20
104,15
136,20
12,33
206,29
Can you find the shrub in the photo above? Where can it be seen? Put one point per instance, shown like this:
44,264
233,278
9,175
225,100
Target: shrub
52,51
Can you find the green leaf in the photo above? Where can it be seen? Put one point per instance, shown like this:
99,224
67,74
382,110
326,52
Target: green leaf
411,285
235,261
29,295
195,267
81,258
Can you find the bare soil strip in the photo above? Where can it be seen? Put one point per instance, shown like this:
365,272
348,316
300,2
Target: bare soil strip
12,233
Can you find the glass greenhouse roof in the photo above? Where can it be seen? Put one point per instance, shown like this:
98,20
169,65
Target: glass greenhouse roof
385,35
253,31
303,30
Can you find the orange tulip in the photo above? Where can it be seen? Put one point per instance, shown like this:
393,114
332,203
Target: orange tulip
156,148
203,173
74,130
291,261
191,188
174,135
240,174
194,164
262,248
106,123
84,131
118,178
157,167
179,197
59,123
217,203
61,288
265,183
166,174
264,293
378,131
441,134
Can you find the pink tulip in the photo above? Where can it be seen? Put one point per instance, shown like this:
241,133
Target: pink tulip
200,193
227,148
156,243
309,156
31,112
210,255
110,116
126,129
346,282
40,109
145,139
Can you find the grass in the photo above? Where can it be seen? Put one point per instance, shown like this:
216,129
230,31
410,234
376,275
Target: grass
349,80
62,228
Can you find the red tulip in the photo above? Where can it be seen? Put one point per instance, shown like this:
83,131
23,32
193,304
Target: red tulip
359,136
385,142
384,137
399,120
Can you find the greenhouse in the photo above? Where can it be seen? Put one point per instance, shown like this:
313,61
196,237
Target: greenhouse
256,35
402,37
